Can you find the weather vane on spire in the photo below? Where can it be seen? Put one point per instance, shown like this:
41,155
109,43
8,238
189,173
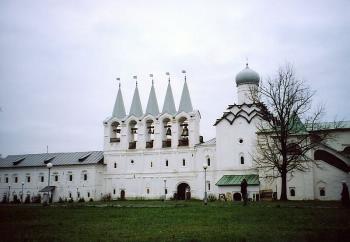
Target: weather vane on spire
135,77
184,72
168,74
151,76
118,79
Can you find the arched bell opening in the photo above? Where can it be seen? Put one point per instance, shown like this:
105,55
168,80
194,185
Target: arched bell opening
115,132
149,134
167,133
132,134
183,131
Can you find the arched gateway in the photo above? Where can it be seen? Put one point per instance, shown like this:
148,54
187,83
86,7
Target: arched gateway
183,191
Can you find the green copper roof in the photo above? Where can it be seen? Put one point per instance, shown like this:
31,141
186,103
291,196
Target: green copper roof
247,76
152,104
119,109
169,104
185,102
235,180
136,108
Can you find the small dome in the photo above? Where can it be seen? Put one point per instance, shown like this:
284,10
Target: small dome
247,76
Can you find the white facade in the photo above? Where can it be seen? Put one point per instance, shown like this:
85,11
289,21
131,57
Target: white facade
152,154
36,178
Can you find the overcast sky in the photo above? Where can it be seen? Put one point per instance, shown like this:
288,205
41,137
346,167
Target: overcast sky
59,60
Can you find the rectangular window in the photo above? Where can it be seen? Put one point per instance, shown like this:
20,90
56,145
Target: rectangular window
113,191
42,178
115,165
85,177
6,180
183,162
166,191
56,178
70,177
16,179
166,163
28,178
88,194
208,161
147,190
208,186
151,164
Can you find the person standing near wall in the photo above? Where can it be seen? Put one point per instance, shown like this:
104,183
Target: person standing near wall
345,195
244,192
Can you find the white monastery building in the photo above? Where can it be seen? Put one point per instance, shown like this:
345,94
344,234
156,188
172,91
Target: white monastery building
153,153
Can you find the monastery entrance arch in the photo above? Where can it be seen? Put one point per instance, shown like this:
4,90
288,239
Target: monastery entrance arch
183,191
122,194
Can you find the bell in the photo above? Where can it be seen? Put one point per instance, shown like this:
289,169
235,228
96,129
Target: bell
150,130
118,130
168,131
185,131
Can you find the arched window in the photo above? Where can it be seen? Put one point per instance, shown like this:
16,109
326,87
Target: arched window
166,163
151,164
183,162
322,192
183,131
293,149
292,191
208,161
115,164
242,160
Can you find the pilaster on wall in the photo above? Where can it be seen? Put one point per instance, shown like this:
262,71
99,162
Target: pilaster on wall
174,134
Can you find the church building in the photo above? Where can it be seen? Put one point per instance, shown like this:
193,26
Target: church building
160,153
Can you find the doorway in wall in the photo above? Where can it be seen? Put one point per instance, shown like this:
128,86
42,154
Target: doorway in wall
122,195
237,196
183,191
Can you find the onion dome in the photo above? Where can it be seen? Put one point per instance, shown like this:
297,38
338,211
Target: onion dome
247,76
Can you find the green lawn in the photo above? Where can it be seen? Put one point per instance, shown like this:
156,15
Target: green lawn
176,221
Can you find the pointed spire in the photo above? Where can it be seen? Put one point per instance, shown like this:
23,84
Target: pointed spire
136,108
185,102
152,104
169,104
119,109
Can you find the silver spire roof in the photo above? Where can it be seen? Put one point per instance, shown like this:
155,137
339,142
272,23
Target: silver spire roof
185,102
169,104
119,109
152,104
136,108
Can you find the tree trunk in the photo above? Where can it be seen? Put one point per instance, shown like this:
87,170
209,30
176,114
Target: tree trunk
284,186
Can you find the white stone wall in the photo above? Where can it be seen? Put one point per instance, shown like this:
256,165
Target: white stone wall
93,184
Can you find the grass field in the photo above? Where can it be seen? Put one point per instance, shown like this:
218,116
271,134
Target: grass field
176,221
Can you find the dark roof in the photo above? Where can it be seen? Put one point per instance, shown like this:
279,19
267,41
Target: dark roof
241,113
235,180
48,189
209,142
57,159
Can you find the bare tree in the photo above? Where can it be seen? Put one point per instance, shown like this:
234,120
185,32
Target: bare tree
290,128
